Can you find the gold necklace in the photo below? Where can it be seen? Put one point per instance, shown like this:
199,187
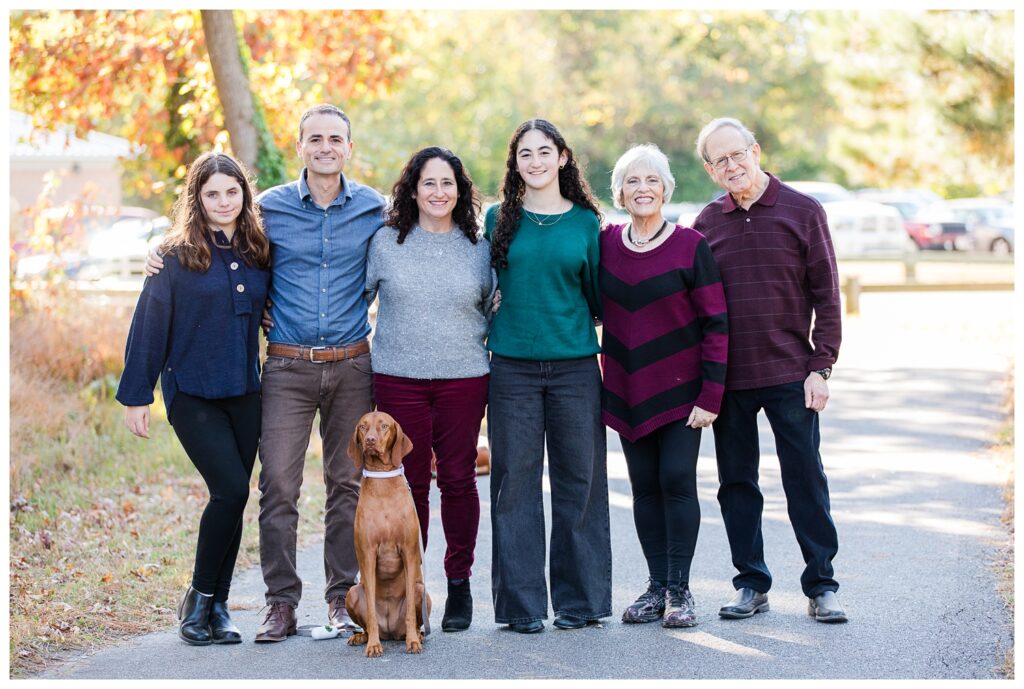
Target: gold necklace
535,219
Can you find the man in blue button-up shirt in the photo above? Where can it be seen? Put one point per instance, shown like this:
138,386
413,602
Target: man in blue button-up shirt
317,360
319,227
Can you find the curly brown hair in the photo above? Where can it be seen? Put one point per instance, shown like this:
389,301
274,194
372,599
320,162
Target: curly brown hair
403,213
188,238
571,184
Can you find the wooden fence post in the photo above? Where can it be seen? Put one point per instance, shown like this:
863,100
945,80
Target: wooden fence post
851,289
910,266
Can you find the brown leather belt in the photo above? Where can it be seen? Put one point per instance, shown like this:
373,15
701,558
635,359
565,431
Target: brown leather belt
318,355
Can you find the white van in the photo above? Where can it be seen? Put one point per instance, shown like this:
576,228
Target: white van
866,228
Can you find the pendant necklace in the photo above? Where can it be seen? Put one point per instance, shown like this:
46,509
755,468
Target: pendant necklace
535,219
644,242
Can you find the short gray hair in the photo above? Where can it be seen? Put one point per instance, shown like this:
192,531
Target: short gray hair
325,109
716,124
642,154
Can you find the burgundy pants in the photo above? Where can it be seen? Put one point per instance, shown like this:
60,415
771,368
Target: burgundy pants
443,416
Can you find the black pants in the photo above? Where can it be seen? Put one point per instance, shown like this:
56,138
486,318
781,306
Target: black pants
663,474
220,436
803,480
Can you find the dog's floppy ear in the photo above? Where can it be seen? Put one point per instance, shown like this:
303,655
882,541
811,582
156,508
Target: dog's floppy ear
401,448
355,452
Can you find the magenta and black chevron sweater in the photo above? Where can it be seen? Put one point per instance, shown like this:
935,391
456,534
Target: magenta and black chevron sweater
665,331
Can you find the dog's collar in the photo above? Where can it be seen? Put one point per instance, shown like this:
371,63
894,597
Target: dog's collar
400,471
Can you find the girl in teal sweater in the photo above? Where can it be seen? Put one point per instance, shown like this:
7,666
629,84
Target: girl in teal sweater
546,390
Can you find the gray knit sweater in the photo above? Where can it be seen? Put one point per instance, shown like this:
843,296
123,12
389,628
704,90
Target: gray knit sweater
435,294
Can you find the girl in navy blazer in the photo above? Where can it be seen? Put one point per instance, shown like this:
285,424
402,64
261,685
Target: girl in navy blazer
196,328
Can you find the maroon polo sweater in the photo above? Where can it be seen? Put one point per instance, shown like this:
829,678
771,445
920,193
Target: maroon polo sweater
778,268
665,332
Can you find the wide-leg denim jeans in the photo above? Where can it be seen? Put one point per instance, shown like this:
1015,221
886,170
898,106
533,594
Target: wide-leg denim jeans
558,403
803,480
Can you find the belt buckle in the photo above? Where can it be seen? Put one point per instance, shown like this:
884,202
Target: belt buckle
312,350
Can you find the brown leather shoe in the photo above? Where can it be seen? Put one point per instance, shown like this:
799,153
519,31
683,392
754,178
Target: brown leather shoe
338,616
278,624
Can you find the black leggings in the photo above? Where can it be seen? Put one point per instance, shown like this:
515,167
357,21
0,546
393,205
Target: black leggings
220,436
663,474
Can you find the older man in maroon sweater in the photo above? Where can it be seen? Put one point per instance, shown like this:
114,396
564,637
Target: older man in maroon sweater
774,251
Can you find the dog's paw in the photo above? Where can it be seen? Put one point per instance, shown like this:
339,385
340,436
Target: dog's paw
375,650
414,646
357,639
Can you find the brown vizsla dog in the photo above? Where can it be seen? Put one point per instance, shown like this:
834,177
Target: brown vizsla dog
387,603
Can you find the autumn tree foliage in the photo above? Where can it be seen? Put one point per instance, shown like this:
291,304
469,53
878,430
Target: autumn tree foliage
148,76
242,110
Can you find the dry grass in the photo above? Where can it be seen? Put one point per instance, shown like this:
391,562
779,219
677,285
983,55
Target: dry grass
1004,452
103,524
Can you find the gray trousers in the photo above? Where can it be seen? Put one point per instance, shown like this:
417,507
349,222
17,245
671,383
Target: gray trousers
293,391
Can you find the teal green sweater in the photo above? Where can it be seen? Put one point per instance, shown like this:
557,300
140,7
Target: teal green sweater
549,291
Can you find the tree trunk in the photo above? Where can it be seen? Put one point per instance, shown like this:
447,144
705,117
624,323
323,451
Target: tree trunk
233,88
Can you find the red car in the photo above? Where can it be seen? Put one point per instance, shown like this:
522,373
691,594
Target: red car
936,227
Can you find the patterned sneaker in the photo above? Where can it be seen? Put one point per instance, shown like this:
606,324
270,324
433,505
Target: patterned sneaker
679,608
649,606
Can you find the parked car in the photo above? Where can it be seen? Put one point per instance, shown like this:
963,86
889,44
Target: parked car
93,242
908,202
995,234
937,227
120,250
682,213
864,228
974,211
989,222
824,192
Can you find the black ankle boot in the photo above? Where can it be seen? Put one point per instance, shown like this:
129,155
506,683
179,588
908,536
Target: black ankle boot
194,613
222,629
458,609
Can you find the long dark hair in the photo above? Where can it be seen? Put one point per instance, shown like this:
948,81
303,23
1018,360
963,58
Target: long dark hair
188,235
571,185
403,212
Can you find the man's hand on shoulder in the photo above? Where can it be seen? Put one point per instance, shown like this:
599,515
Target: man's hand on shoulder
154,263
815,392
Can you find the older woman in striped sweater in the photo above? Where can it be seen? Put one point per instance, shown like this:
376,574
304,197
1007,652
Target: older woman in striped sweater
664,355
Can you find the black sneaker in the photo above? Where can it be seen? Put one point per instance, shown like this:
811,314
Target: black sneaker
679,608
648,607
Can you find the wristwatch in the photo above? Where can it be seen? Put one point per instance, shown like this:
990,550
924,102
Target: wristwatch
825,373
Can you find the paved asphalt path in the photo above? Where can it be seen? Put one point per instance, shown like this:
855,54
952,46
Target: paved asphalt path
916,396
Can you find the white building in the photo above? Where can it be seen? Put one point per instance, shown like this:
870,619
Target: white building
87,168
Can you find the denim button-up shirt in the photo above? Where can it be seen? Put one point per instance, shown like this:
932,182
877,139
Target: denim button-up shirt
319,262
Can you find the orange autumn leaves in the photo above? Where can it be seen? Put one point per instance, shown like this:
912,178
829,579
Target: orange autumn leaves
146,76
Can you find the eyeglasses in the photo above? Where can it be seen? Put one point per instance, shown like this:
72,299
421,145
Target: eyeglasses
737,157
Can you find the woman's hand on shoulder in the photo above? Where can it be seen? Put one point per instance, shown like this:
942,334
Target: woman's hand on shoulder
137,420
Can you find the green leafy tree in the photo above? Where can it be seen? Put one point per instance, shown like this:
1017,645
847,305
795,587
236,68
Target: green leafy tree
925,98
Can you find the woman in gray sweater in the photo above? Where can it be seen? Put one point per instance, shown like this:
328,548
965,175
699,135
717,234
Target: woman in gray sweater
431,270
